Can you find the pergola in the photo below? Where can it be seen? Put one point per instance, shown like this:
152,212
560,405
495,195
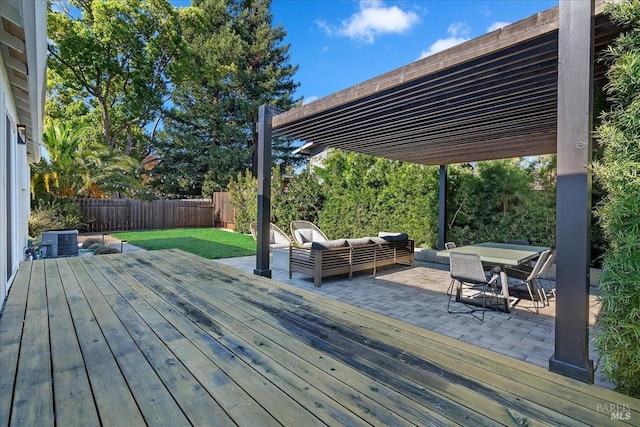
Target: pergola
522,90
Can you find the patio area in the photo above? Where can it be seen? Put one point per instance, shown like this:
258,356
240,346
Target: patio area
418,296
169,338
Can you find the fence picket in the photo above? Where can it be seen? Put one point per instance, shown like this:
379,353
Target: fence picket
102,215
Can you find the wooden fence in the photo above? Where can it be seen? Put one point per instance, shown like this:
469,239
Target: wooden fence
120,215
223,213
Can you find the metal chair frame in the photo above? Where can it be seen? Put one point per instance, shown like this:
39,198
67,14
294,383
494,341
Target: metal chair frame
527,276
467,270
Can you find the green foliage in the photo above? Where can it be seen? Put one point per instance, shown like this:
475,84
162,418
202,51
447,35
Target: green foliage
235,61
355,195
618,338
110,60
365,195
79,167
502,199
243,192
295,197
54,216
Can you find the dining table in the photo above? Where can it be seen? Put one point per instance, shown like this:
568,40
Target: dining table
500,255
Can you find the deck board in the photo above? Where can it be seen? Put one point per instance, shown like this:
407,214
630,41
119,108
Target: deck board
114,402
11,327
33,398
168,338
73,397
276,360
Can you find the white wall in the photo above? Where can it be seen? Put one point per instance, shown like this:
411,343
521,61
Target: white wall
14,202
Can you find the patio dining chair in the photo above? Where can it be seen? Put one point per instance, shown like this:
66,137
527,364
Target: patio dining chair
526,277
544,274
304,233
468,281
277,238
450,245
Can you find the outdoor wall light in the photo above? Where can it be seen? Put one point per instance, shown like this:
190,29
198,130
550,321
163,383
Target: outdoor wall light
22,134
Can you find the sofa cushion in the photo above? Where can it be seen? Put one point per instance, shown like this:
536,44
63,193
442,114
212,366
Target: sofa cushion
279,245
328,244
377,240
393,237
359,242
272,237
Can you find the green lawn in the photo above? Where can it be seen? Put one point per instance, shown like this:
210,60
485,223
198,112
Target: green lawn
207,242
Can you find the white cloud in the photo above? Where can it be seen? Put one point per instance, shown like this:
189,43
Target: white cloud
372,20
497,25
458,33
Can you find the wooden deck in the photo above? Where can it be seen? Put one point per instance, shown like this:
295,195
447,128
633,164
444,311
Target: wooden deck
168,338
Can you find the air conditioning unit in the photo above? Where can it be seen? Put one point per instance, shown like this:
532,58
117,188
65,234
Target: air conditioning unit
59,243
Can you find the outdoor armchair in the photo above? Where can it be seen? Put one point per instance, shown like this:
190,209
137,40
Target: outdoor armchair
469,282
277,237
305,233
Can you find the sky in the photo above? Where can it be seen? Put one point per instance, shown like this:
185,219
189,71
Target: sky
340,43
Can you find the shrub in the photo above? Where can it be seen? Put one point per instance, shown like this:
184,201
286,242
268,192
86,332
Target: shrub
618,332
243,191
301,198
95,246
106,250
54,215
90,242
365,195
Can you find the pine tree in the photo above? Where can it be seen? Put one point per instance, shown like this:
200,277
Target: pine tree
236,62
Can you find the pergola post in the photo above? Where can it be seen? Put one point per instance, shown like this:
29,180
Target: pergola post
575,88
442,208
265,114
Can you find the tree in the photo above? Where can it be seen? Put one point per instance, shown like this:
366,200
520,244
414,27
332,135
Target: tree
110,60
618,337
236,62
78,167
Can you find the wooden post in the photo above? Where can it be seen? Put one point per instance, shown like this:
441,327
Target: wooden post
575,88
265,115
442,208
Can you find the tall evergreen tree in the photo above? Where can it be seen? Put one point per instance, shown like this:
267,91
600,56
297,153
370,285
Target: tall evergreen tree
237,62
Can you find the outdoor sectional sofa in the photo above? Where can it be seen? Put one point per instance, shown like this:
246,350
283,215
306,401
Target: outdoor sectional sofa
346,256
